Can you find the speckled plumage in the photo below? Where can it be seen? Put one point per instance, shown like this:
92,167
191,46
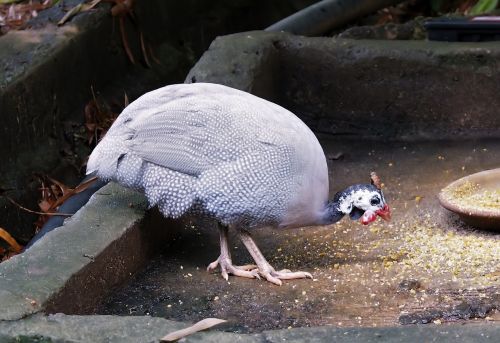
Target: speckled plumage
220,151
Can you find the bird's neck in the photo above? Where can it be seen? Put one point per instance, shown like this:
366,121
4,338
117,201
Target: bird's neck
338,207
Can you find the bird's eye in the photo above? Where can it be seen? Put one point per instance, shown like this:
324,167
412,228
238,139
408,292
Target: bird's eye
374,201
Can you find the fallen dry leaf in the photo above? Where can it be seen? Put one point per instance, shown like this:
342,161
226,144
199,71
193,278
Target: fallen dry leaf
14,246
125,41
6,2
54,195
199,326
98,118
78,9
14,15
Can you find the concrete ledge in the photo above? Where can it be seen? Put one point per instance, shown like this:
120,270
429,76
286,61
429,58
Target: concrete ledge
96,329
251,62
384,89
74,266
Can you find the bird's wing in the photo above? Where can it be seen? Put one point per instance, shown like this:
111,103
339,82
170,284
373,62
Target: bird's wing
173,139
190,131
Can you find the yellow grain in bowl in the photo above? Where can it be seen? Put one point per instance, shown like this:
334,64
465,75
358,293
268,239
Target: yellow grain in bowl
471,196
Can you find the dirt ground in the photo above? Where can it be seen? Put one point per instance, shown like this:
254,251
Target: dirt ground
422,267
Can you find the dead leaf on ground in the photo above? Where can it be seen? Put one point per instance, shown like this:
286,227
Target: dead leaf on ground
98,119
199,326
53,194
7,2
14,15
80,8
14,247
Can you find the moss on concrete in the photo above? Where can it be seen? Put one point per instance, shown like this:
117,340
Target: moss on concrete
40,277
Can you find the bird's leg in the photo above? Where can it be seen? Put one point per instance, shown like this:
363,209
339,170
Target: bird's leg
226,265
265,269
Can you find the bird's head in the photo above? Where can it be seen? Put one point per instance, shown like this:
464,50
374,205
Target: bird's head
364,202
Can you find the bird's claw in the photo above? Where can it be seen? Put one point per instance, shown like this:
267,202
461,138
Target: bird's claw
285,274
213,265
249,270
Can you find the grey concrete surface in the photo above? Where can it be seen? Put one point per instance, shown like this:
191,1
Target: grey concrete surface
422,266
106,329
374,88
73,265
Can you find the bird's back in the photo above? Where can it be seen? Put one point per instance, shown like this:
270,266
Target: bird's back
219,150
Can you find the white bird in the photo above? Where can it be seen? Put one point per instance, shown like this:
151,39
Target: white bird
216,151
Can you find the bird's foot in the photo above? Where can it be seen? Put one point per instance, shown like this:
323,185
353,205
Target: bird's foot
265,269
249,270
275,277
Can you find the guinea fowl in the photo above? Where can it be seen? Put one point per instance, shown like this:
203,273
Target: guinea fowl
215,151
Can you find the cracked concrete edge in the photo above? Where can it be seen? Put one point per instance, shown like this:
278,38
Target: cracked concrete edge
30,281
446,333
34,46
60,327
251,62
248,52
325,78
43,62
101,328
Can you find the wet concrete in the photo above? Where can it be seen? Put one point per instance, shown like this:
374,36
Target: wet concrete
423,267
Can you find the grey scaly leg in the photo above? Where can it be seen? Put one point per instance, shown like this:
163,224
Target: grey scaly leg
265,269
226,265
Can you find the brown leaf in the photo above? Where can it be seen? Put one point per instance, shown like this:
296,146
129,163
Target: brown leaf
466,6
69,192
143,49
125,41
5,2
121,7
91,127
14,16
84,185
375,180
63,188
125,100
152,54
98,119
45,205
14,246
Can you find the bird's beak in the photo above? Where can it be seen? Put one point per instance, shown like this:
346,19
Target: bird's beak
384,213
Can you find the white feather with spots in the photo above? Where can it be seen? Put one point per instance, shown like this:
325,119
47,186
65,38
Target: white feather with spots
217,150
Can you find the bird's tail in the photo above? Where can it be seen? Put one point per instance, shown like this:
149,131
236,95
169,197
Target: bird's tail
103,161
93,161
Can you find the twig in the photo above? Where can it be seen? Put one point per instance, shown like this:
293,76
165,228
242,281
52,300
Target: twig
35,212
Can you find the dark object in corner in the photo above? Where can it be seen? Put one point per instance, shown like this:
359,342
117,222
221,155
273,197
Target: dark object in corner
476,29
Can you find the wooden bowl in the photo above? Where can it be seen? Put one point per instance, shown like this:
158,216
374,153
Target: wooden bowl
484,217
